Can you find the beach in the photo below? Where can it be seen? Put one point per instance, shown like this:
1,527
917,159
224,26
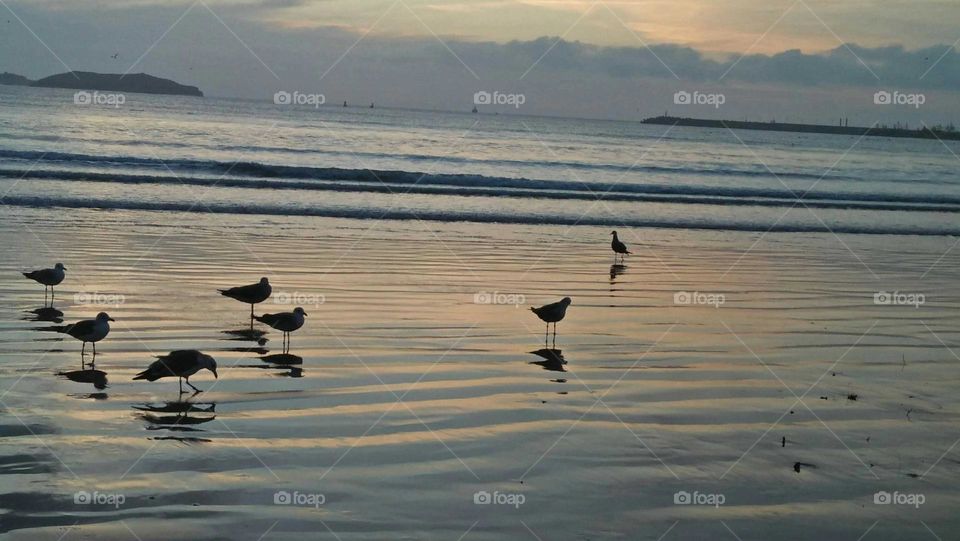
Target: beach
720,384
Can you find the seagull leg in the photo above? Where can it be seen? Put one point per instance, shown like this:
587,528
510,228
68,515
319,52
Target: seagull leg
192,387
546,333
180,380
83,350
94,348
554,335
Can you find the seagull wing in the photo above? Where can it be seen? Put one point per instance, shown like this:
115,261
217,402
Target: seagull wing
173,364
81,328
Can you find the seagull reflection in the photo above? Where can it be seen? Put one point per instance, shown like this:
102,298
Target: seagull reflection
249,335
97,377
47,314
616,270
177,417
284,361
552,359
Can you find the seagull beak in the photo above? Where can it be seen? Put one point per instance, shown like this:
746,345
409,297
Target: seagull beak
110,319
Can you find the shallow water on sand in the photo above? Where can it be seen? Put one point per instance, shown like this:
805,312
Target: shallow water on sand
406,393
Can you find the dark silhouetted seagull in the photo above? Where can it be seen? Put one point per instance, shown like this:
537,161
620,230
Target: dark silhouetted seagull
284,321
179,364
618,247
90,330
552,313
49,278
251,294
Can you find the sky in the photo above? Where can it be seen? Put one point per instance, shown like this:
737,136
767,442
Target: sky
792,60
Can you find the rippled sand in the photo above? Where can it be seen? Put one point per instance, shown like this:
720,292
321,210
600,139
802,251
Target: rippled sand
404,398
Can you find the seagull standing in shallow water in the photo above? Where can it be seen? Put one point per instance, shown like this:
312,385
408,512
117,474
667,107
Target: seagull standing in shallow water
90,330
180,364
251,294
284,321
618,247
49,278
552,313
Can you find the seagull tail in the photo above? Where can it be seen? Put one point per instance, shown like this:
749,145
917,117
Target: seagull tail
145,375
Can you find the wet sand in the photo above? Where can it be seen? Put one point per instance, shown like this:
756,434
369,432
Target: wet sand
405,399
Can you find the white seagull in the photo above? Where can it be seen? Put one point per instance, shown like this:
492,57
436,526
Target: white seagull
90,330
250,294
49,278
180,364
618,247
284,321
552,313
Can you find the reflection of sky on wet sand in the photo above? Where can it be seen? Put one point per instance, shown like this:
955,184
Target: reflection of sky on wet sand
681,384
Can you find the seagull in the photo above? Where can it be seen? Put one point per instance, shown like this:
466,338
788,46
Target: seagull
49,278
284,321
115,56
552,313
250,294
618,247
181,364
90,330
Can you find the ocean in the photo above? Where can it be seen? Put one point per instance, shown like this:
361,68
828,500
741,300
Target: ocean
760,367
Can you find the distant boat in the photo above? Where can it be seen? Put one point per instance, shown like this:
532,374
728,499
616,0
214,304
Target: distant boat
344,103
371,105
474,109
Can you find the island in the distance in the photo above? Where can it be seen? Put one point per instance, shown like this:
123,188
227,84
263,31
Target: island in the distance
935,132
107,82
